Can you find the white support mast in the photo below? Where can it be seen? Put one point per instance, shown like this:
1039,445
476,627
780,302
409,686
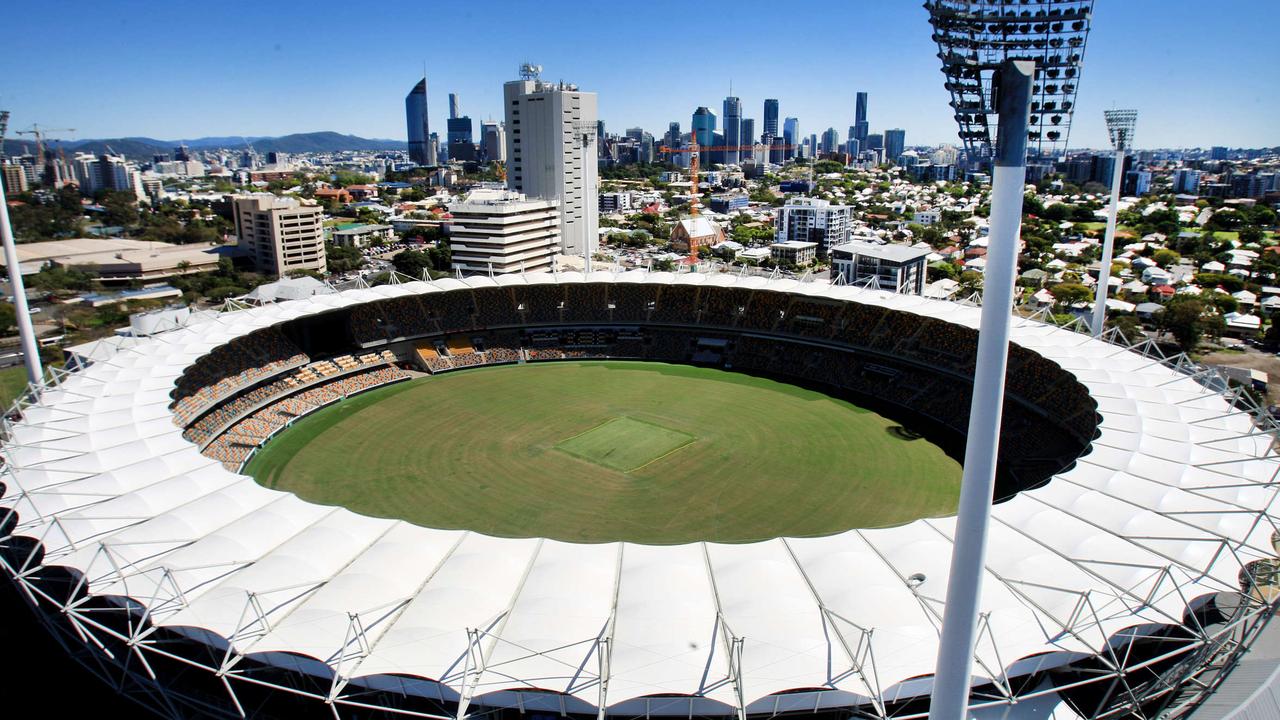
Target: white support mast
30,353
1120,127
964,589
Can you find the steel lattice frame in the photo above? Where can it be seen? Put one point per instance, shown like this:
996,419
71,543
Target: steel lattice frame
1205,535
975,36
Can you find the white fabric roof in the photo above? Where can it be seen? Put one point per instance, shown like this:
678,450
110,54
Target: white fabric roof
1162,510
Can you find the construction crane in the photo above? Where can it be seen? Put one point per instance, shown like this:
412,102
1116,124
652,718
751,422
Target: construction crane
40,133
694,150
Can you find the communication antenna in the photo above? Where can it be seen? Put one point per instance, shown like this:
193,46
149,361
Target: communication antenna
529,71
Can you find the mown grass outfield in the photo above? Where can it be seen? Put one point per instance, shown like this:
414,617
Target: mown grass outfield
603,451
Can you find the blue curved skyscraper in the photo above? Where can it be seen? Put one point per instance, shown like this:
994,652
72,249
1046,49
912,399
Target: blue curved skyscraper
415,110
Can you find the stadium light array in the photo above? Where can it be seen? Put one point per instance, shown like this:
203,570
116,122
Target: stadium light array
975,36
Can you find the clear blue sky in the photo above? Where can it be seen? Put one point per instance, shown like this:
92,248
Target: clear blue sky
178,69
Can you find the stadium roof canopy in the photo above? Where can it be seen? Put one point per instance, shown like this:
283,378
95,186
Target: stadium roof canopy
1172,501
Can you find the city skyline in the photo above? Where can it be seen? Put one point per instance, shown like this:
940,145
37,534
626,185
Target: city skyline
273,85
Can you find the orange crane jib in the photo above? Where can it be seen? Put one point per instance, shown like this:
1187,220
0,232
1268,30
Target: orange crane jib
715,148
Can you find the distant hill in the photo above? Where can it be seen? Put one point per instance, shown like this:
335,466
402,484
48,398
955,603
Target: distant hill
324,142
143,148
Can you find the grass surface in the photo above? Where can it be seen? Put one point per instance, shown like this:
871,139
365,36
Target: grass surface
625,444
540,450
13,380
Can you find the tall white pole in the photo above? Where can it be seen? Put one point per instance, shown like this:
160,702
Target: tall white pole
964,588
26,332
1108,246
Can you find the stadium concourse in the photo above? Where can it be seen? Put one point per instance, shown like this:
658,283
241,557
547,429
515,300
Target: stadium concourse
1136,515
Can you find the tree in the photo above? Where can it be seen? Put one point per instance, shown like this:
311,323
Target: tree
1070,293
1183,318
1250,235
942,271
1271,341
411,262
1129,328
8,318
119,208
1165,257
342,259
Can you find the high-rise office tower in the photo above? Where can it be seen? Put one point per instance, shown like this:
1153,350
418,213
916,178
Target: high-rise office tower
895,141
461,143
830,141
454,106
875,141
415,110
493,141
551,152
770,120
732,129
791,136
433,148
672,138
748,135
860,126
704,126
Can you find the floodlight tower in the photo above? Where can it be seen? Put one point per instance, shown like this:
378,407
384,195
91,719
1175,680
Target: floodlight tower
1011,67
1120,124
26,332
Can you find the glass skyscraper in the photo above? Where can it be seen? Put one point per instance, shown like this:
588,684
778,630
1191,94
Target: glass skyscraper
895,141
770,120
704,126
860,126
732,129
791,136
415,110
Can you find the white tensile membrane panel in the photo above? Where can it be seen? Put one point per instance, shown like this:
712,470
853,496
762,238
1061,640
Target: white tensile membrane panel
1172,500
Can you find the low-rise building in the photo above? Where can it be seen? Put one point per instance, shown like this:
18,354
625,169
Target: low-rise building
692,234
927,217
896,268
729,202
359,236
612,202
796,252
502,231
119,260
